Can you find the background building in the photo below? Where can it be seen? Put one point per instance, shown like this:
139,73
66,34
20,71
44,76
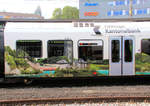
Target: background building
9,15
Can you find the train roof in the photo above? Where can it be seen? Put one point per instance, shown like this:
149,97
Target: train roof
77,20
45,27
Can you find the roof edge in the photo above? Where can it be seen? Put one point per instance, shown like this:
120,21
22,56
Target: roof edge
76,20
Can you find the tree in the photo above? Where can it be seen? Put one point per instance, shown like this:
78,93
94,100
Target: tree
38,11
67,12
70,13
57,14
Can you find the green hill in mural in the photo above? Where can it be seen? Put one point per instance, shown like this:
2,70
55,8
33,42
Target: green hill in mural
142,62
15,60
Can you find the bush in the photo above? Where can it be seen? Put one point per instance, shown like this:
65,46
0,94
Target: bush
35,71
20,62
73,72
94,67
59,73
104,67
56,59
106,62
142,58
52,60
30,71
10,61
42,61
10,51
27,71
142,62
21,53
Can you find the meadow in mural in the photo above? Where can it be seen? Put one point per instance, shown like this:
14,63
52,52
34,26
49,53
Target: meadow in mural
19,63
142,64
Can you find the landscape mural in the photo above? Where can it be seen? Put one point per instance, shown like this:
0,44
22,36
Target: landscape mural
142,64
45,67
19,63
142,60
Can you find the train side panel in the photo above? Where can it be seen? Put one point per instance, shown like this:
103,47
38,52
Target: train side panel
69,52
42,53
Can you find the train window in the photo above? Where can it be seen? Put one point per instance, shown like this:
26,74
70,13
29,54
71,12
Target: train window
115,50
76,24
31,48
145,46
60,51
1,26
91,24
90,51
81,24
128,50
86,25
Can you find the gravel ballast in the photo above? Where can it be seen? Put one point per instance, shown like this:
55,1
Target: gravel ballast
63,92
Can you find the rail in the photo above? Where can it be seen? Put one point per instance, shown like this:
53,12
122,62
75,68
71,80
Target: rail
76,99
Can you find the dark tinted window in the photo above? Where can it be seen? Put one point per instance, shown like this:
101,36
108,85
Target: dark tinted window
115,46
128,50
31,48
60,51
81,24
90,52
2,64
145,46
86,25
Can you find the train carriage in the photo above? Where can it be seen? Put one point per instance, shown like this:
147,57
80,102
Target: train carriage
74,49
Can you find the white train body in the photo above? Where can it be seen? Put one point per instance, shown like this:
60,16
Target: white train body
66,31
15,31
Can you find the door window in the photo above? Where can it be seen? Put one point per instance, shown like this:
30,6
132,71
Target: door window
128,50
115,50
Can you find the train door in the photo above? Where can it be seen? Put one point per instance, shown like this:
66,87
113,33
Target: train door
121,56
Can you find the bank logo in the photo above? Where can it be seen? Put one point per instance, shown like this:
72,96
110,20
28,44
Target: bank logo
91,13
91,4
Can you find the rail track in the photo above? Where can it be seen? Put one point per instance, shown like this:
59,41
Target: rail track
37,101
52,92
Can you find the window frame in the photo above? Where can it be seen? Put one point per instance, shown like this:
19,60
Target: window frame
90,40
141,43
112,49
61,40
125,51
31,56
